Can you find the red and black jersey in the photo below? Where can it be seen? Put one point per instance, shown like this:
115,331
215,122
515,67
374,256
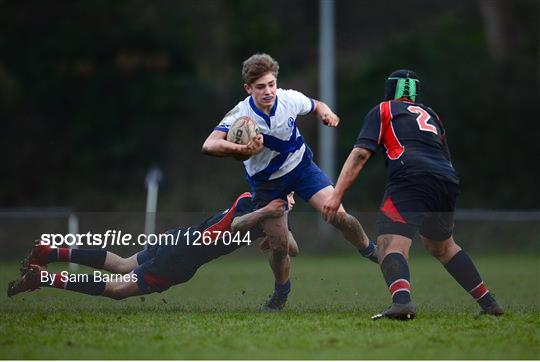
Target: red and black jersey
218,234
220,223
413,137
223,219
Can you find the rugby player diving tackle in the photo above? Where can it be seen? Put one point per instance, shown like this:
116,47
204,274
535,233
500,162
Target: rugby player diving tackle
157,267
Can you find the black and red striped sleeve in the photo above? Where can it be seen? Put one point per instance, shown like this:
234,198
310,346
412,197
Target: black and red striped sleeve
245,205
370,134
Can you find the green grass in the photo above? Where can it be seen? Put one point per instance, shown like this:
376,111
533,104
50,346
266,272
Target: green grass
214,316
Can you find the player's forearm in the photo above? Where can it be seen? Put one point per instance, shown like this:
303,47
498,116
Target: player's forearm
220,148
275,209
248,221
321,109
351,169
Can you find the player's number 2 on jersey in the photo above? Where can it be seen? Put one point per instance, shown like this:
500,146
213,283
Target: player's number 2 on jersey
422,119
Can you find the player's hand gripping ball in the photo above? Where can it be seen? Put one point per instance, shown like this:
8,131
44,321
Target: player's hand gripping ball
243,130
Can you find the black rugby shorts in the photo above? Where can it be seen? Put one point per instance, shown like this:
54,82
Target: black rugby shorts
418,203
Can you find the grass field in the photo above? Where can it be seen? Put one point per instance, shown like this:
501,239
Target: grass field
214,316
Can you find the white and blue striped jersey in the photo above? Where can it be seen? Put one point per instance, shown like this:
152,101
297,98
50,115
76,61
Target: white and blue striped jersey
284,147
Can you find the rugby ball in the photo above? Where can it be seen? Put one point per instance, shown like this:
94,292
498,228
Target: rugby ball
243,130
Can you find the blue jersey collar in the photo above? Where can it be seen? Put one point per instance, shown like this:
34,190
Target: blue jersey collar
261,113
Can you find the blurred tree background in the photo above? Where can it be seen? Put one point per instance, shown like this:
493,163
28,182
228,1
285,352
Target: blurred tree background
93,93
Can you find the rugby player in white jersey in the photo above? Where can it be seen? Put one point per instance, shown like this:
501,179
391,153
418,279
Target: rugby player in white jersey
278,162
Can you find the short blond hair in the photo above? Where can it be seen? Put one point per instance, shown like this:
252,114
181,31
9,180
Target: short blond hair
258,65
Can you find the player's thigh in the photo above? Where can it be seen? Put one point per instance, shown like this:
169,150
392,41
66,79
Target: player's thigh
265,191
166,269
318,199
277,231
437,226
438,223
313,186
405,203
146,254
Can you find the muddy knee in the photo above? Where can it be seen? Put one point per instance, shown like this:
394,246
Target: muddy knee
279,246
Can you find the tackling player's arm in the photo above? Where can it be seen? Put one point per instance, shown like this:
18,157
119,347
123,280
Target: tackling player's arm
325,114
352,167
244,223
367,143
217,145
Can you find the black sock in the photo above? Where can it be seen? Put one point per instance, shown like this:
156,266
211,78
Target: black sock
85,283
94,258
283,290
396,273
89,257
462,268
370,252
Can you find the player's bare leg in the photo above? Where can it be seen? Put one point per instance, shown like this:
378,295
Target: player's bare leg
279,260
122,289
460,266
444,250
282,247
280,263
116,264
388,244
350,227
293,246
393,252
